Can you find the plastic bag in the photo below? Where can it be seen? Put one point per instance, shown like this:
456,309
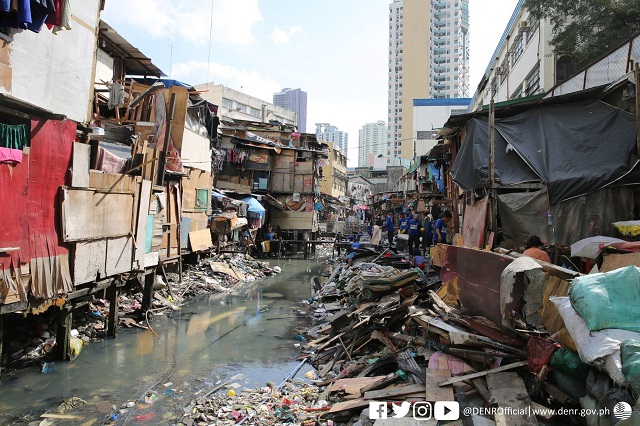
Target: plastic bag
75,347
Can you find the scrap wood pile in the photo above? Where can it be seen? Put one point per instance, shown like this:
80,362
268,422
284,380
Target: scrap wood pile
222,273
386,335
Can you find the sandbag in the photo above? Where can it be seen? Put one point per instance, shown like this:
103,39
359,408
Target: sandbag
608,300
630,354
601,348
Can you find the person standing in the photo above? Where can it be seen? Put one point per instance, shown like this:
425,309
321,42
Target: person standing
376,235
441,228
414,235
402,224
427,233
533,249
389,227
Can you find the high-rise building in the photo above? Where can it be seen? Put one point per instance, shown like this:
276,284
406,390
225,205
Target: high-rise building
329,133
372,142
433,63
294,100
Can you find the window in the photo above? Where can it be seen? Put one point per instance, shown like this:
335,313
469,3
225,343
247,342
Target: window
241,107
533,82
202,199
254,112
227,103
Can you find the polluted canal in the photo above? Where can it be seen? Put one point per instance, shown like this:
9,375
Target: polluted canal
249,337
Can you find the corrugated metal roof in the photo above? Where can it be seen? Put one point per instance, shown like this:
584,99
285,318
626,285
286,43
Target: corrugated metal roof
135,62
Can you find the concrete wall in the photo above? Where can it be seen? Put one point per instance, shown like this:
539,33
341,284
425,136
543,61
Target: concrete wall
242,104
28,60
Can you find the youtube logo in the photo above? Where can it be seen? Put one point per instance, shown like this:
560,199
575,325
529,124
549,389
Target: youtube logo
446,410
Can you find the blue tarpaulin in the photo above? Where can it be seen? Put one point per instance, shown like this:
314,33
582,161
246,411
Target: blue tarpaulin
437,175
254,206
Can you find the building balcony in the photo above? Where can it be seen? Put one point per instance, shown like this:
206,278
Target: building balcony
440,68
439,50
439,32
439,5
439,77
439,86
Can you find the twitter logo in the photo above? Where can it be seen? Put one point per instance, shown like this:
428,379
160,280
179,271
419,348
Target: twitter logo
400,410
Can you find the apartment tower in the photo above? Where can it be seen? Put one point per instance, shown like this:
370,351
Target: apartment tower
329,133
373,142
428,59
294,100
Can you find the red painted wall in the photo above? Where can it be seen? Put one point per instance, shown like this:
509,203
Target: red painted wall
30,194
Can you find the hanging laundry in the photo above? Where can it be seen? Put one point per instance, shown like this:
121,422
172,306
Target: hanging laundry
116,95
11,156
65,20
13,136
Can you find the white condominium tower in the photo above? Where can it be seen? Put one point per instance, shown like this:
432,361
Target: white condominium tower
373,142
428,59
329,133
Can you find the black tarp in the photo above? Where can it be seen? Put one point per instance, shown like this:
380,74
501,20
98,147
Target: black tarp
573,148
525,213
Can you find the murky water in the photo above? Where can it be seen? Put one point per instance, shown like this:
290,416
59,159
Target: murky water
213,338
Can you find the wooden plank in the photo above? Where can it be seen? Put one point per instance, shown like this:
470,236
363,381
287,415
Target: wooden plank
615,261
433,391
89,261
88,215
223,268
353,386
200,240
119,255
61,416
392,392
348,406
180,113
508,390
482,373
550,317
165,302
80,168
142,222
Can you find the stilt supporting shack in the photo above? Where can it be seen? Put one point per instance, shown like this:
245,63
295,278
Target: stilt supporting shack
112,321
63,335
147,295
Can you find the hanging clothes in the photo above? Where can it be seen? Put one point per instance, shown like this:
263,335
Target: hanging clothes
13,136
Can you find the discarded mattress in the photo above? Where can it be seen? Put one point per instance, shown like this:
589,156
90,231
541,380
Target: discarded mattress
608,300
600,348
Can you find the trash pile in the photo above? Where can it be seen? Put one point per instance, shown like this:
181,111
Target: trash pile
488,331
222,273
290,403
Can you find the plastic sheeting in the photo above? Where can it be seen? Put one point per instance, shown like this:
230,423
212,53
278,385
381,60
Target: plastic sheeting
608,300
630,354
471,167
574,148
525,213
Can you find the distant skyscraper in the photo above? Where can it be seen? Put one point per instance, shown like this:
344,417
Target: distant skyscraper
434,63
372,140
329,133
294,100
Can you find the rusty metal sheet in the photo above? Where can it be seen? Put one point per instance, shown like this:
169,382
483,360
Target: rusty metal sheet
479,281
475,218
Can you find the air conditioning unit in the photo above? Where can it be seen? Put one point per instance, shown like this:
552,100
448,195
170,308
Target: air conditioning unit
523,26
499,70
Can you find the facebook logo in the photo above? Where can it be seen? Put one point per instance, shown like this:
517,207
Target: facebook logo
377,410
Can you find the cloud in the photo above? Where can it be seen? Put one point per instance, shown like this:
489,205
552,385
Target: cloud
233,20
250,82
284,37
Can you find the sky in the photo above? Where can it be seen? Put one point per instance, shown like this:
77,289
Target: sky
335,50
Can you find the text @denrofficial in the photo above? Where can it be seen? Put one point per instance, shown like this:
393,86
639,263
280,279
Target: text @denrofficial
531,411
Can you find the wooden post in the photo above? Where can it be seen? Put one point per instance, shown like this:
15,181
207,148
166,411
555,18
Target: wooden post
112,320
147,295
63,335
1,339
637,75
162,163
493,214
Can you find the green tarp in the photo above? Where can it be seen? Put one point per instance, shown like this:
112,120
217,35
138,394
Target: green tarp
630,355
608,300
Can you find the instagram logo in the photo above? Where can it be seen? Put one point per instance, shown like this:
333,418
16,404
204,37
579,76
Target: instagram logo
422,410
